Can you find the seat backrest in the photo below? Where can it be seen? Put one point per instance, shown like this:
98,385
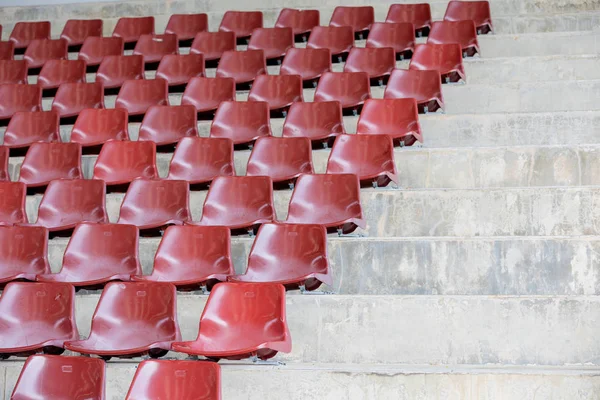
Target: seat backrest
421,85
41,50
23,252
242,23
207,93
115,70
279,91
24,32
417,14
282,159
26,128
7,50
72,98
213,44
168,124
349,88
12,203
186,26
154,47
4,158
399,36
179,69
461,32
275,42
56,72
18,97
359,18
242,122
200,160
243,66
478,11
76,31
301,21
377,62
445,58
13,71
338,39
136,96
315,121
131,28
393,117
96,126
122,161
95,48
308,63
48,161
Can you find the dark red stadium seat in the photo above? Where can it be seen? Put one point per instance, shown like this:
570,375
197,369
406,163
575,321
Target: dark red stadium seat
289,254
310,64
56,377
378,63
212,45
358,18
274,42
281,159
301,21
279,91
242,66
136,96
56,72
153,204
4,157
242,23
36,317
417,14
93,127
461,32
67,202
399,36
12,203
41,50
23,253
321,122
72,98
176,379
192,256
94,49
45,162
351,89
445,58
165,125
154,47
131,28
7,50
242,122
76,31
97,254
26,128
370,157
478,11
207,93
186,26
199,160
115,70
13,71
177,70
24,32
122,161
240,203
147,326
241,320
422,85
18,97
331,200
338,39
398,118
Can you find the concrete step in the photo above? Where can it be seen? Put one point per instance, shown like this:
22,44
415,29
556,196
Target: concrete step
537,211
437,265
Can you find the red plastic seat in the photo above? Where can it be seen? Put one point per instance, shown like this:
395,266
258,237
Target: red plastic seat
241,320
154,47
242,122
56,72
4,157
7,50
212,45
115,70
337,39
192,256
207,93
399,36
68,202
56,377
274,42
240,203
242,66
122,161
24,32
153,203
131,28
45,162
94,49
41,50
17,97
136,96
23,253
199,160
461,32
13,71
94,127
132,319
279,91
97,254
398,118
358,18
177,70
289,254
12,203
26,128
331,200
378,63
478,11
320,122
76,31
301,21
422,85
351,89
186,26
72,98
310,64
417,14
36,317
242,23
445,58
281,159
370,157
176,379
165,125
